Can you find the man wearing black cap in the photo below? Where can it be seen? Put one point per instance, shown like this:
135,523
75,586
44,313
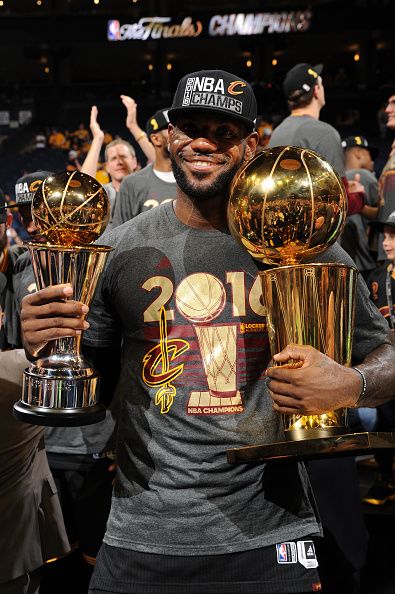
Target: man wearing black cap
153,185
174,306
387,177
359,158
305,94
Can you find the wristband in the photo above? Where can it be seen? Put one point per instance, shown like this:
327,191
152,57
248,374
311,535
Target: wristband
364,384
140,137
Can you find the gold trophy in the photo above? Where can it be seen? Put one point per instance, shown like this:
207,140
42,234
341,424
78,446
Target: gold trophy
287,205
71,210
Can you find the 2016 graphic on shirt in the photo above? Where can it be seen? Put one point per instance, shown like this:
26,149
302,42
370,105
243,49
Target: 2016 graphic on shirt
215,351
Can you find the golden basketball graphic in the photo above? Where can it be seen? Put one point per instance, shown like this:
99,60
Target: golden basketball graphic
200,297
286,204
71,209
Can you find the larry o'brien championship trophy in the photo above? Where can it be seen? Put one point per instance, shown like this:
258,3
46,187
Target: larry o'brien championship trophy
71,210
287,205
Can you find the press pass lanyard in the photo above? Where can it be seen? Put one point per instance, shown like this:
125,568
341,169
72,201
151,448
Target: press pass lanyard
390,300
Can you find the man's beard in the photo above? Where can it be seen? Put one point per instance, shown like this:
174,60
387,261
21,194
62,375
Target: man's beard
197,191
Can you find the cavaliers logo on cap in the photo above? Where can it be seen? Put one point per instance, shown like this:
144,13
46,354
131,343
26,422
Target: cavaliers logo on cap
313,72
233,85
35,185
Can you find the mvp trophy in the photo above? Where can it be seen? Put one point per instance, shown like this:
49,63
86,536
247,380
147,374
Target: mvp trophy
71,210
287,205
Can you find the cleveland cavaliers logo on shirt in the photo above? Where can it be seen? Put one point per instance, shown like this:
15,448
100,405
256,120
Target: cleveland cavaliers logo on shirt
210,92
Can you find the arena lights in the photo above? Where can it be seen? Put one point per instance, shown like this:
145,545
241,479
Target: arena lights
1,3
150,66
356,57
46,70
249,63
169,66
96,1
274,62
39,2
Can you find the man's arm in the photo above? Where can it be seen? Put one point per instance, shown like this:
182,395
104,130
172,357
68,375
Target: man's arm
138,134
321,385
89,166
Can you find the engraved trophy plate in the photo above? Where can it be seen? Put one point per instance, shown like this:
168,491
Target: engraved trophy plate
71,210
287,205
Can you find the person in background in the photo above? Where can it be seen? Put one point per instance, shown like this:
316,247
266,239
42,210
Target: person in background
153,185
387,177
305,93
32,528
80,458
381,283
120,159
359,161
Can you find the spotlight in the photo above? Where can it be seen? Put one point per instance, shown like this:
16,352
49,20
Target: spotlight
274,62
249,63
356,57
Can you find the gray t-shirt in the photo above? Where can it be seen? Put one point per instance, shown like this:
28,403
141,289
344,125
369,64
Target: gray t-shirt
354,238
139,192
185,305
89,439
314,134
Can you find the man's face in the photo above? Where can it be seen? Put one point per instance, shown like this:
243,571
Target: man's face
390,111
160,141
365,159
206,151
321,92
25,210
389,242
120,162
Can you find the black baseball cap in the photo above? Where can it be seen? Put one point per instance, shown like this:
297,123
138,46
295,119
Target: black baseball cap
390,222
158,121
360,142
27,185
301,77
215,91
3,212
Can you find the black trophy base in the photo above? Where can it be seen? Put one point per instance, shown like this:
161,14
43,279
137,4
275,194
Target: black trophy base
348,444
59,417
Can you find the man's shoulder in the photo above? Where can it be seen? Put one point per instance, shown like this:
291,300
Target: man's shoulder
138,178
132,230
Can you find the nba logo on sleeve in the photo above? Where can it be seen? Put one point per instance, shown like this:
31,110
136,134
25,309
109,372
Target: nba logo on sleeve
113,31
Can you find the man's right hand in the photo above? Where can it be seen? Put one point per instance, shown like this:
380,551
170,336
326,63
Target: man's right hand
49,314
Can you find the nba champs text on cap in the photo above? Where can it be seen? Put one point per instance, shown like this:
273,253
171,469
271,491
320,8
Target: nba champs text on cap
27,186
216,91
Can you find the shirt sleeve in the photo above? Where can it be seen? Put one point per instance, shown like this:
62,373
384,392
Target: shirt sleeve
123,210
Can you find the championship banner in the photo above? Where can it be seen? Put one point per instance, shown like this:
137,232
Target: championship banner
227,25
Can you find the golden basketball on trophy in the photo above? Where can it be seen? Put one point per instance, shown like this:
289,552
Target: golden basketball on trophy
71,210
287,205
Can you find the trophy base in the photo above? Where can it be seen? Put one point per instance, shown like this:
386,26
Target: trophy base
58,417
348,444
311,434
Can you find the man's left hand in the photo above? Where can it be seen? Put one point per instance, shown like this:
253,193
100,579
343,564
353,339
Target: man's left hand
319,385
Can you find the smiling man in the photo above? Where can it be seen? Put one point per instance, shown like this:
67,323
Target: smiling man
178,313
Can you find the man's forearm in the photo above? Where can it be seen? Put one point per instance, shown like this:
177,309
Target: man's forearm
89,166
379,370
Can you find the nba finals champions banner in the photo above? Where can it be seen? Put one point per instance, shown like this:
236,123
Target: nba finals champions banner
226,25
